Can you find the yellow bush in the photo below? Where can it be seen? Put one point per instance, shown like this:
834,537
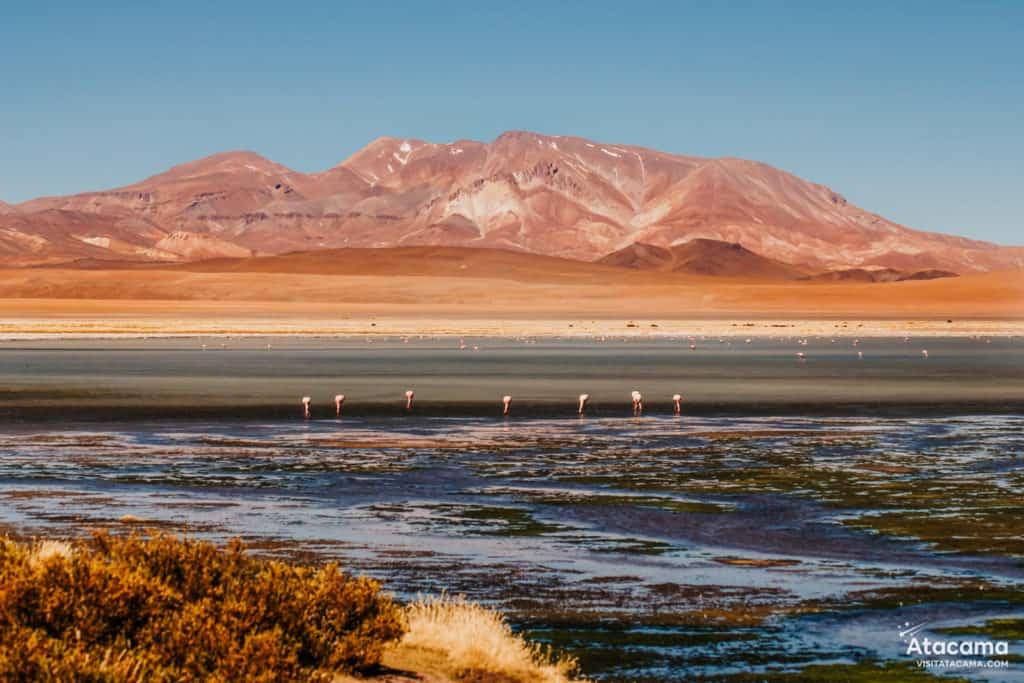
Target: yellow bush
164,609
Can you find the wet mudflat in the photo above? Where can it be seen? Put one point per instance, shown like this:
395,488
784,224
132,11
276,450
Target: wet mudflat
654,548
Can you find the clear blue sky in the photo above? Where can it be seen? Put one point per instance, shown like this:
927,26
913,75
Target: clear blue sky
911,109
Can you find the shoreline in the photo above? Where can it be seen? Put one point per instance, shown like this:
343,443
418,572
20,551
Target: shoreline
32,328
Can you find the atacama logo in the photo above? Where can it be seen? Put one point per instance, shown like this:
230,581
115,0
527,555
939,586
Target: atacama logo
941,653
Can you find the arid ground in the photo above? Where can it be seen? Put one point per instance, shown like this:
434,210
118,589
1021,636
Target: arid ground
452,290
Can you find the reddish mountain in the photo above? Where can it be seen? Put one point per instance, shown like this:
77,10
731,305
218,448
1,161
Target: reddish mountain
551,195
704,257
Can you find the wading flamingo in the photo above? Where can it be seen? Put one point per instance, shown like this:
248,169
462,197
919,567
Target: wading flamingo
584,399
638,403
677,403
408,399
924,353
338,400
506,403
305,406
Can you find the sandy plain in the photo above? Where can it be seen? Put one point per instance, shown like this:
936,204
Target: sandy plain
482,292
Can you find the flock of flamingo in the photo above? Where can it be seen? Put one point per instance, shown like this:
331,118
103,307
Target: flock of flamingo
584,399
506,403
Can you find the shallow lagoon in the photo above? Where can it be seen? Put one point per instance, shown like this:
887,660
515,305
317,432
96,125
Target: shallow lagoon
254,376
719,542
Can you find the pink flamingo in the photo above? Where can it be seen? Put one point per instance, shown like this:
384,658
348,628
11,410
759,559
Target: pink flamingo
408,399
677,403
305,406
638,403
924,353
506,403
860,355
338,400
801,355
584,399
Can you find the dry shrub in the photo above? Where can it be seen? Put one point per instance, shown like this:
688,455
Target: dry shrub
477,640
164,609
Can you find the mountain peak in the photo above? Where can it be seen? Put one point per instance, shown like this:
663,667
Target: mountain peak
231,162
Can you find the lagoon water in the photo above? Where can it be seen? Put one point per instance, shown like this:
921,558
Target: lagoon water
253,376
786,519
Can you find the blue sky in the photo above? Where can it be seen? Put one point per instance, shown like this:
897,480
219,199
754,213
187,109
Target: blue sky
911,109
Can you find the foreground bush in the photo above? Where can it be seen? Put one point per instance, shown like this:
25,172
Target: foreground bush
475,641
162,609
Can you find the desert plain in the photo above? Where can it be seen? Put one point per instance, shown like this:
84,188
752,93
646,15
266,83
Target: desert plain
451,290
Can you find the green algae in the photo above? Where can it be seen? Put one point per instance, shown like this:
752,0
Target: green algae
996,531
995,629
933,494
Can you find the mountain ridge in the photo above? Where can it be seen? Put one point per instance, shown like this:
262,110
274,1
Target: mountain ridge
552,195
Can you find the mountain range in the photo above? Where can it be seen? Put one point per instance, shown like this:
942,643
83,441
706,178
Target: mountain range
551,195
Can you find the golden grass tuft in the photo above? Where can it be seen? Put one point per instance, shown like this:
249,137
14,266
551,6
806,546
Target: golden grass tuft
164,609
44,550
475,642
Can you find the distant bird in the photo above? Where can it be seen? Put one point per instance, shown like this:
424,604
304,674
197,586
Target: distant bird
305,406
677,403
638,403
693,347
860,354
338,400
801,355
506,402
924,353
408,399
584,399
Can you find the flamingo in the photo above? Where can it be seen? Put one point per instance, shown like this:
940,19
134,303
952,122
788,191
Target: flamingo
305,406
638,403
408,398
801,355
677,403
860,355
584,398
506,402
338,400
924,353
